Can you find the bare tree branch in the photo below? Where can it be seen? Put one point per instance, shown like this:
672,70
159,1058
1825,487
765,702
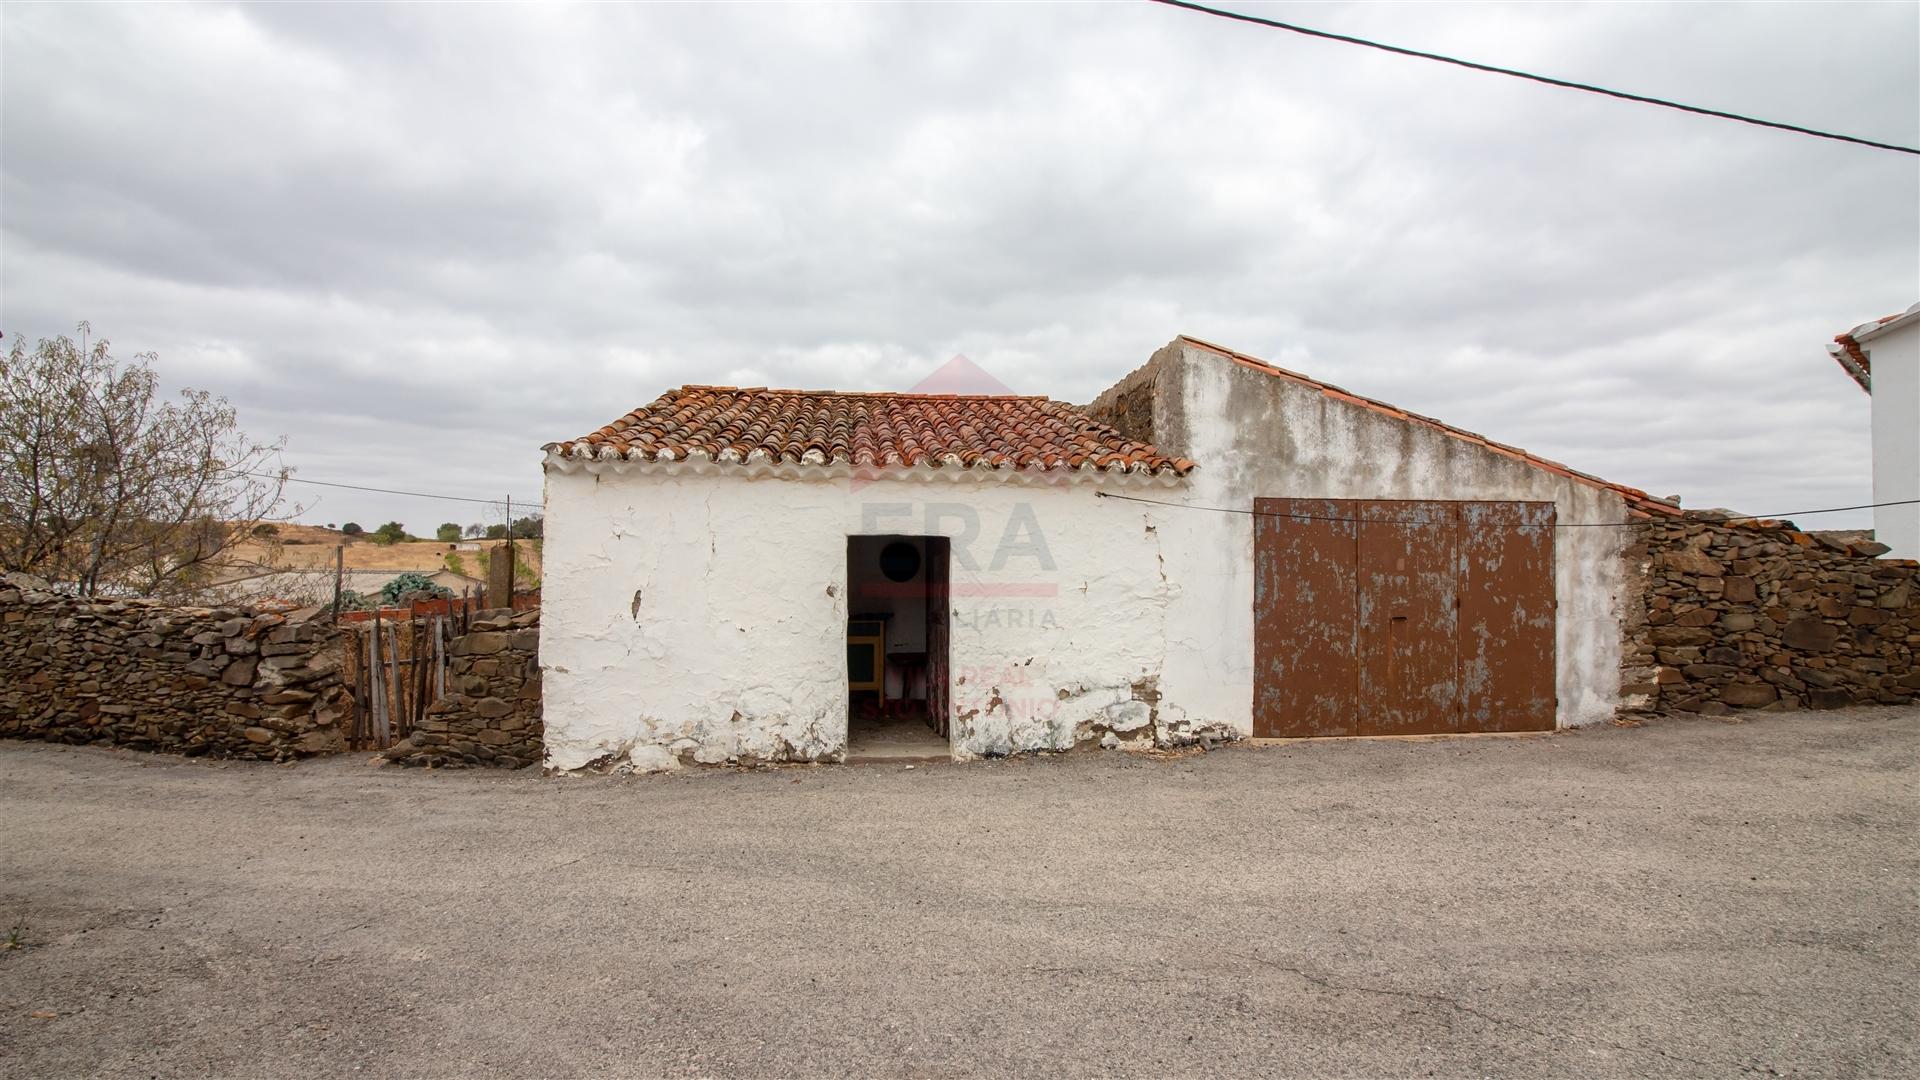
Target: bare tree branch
106,489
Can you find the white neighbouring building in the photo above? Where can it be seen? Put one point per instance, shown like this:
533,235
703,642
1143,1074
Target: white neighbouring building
1884,358
1215,548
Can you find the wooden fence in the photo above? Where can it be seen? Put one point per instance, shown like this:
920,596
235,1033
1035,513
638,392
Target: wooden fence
397,668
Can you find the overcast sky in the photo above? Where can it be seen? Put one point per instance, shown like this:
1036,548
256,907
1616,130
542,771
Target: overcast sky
421,241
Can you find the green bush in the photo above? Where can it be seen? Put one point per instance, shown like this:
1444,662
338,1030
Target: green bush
412,582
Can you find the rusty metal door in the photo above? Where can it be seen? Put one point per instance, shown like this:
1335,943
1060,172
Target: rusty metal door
1304,614
1379,617
1507,616
1408,574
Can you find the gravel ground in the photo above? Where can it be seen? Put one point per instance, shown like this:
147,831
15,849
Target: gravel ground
1687,898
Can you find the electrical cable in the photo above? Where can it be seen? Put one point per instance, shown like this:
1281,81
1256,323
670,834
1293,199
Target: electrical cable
1150,502
1547,79
1557,525
390,491
1174,505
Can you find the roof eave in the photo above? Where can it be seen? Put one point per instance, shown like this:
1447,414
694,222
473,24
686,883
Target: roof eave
1866,332
584,459
1855,370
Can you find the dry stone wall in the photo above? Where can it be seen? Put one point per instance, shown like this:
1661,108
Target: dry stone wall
491,713
1759,615
226,682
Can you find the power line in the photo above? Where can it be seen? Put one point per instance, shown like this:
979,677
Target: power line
290,478
1547,79
1134,498
388,491
1558,525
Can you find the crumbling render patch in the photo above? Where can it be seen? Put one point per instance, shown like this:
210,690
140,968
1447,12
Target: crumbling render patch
737,741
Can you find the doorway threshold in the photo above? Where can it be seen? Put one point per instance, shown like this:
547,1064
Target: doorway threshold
904,739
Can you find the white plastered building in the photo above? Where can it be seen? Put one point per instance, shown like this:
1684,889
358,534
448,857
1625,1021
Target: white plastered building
1215,548
1884,358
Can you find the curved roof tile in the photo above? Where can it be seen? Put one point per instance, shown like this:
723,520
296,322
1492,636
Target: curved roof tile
865,429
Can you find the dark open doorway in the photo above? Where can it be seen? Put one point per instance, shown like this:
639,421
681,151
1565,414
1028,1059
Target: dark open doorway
897,646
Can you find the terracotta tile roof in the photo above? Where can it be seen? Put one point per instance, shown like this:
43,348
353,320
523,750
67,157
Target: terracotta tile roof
1852,359
1639,502
871,430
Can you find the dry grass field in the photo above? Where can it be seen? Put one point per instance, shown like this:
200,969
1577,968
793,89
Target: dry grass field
303,547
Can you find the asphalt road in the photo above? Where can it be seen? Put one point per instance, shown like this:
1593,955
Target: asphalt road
1690,898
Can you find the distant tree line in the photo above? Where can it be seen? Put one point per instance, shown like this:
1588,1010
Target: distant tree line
393,532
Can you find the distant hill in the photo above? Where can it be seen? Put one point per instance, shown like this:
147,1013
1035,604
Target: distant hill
311,547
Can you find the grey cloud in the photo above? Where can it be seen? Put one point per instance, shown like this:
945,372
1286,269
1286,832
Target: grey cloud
421,241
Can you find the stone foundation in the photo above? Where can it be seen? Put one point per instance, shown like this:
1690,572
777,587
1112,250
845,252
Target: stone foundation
1759,615
491,713
224,682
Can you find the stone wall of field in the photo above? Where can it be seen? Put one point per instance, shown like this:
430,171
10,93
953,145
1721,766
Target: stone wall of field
226,682
491,713
1760,615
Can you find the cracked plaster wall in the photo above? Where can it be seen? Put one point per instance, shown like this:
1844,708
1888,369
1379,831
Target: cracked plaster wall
701,618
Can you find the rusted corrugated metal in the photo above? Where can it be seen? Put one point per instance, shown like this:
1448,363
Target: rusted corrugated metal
1384,617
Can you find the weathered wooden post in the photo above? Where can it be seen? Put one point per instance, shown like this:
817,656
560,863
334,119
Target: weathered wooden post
339,572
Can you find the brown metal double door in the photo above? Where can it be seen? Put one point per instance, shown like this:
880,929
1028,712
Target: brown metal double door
1381,617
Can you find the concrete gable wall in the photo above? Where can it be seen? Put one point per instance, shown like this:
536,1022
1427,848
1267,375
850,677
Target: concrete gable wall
1256,435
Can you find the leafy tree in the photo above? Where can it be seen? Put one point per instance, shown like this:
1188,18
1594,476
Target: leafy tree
391,533
329,524
476,530
496,532
106,488
352,528
526,528
448,532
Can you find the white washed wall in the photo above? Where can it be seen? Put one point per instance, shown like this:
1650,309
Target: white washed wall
700,616
697,613
1895,356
